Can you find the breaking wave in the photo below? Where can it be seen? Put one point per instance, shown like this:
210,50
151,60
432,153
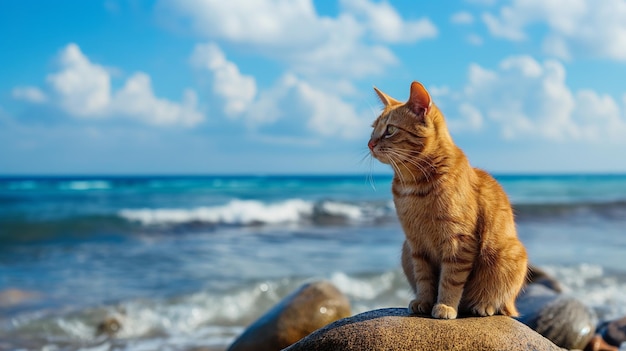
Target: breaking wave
214,319
252,212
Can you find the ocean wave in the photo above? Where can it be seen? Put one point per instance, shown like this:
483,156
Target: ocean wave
217,317
605,210
201,318
298,211
252,212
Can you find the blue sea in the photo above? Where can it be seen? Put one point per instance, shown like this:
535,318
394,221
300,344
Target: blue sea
188,262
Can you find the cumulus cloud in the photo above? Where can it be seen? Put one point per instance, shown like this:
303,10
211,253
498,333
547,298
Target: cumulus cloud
83,89
136,99
574,27
342,54
236,89
385,23
526,98
292,102
272,23
30,94
293,99
293,32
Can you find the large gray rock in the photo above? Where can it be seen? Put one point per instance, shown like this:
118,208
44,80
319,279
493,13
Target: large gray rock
394,329
307,309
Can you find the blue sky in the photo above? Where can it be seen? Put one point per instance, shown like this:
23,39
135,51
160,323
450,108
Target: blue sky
271,86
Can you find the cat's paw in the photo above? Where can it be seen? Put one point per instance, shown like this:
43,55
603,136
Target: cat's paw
485,310
420,307
442,311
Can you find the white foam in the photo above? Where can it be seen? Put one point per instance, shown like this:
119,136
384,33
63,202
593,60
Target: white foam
239,212
596,288
349,211
216,318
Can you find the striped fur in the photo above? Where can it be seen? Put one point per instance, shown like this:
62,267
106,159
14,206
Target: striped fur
461,251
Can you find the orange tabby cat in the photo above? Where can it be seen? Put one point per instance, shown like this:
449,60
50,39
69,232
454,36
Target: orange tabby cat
461,250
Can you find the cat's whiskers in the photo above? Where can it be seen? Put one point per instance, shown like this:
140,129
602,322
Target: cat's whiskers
370,176
420,162
395,167
392,155
409,156
406,167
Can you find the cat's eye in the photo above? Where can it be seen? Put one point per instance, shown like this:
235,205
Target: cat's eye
391,130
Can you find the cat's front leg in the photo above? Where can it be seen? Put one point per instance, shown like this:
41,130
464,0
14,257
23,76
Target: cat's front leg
425,282
454,273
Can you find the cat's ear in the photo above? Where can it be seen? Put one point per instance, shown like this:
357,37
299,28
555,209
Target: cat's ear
386,99
419,100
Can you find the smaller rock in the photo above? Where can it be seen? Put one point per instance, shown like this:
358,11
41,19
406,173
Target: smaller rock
307,309
615,332
564,320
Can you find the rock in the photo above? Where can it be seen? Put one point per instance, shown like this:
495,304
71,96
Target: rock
396,329
615,332
564,320
307,309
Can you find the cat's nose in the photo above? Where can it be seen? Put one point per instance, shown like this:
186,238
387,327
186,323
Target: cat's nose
372,144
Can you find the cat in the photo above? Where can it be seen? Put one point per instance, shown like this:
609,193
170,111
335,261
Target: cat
461,251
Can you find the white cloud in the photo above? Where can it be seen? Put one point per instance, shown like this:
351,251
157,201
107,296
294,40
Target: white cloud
385,23
319,109
462,17
273,23
330,115
573,27
470,119
83,89
236,89
342,55
293,32
294,100
525,98
137,100
30,94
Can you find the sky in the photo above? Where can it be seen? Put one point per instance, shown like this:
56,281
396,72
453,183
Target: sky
285,86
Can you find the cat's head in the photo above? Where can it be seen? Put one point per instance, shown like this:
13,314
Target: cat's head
405,131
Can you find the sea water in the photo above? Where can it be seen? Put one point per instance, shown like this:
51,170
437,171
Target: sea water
186,262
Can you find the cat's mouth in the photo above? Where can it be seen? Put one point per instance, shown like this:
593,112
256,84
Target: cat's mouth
380,155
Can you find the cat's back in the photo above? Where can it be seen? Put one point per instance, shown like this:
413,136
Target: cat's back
496,214
490,193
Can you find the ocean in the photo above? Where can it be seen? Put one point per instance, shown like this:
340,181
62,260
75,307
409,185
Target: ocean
189,262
